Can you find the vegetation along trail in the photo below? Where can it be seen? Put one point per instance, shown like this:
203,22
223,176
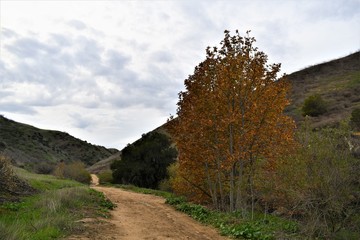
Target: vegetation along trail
143,216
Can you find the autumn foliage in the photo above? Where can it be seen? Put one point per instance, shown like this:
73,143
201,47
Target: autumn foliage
230,119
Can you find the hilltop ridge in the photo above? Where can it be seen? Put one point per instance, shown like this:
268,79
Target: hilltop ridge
31,147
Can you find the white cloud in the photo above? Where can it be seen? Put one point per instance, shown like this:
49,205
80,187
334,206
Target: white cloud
108,71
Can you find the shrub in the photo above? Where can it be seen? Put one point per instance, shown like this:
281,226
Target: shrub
314,106
59,170
44,168
165,185
11,186
75,171
6,176
355,119
2,146
319,184
105,177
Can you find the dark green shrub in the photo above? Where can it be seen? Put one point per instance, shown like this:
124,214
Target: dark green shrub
2,146
314,106
44,168
175,200
355,119
105,177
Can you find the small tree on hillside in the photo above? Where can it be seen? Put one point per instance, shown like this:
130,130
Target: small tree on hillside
314,106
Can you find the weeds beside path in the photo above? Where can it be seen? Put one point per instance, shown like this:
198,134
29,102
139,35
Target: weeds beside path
53,212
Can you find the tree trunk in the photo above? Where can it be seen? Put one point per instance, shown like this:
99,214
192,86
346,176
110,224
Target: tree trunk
251,185
239,196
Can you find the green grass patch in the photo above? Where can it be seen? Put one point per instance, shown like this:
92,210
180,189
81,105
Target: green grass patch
354,79
52,212
44,182
262,227
133,188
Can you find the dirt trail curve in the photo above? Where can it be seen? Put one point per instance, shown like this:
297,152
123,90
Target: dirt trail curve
141,216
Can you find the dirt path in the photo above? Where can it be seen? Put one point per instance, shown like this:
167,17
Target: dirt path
141,216
94,180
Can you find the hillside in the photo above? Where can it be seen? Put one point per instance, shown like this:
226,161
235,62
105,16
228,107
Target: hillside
104,164
28,146
338,83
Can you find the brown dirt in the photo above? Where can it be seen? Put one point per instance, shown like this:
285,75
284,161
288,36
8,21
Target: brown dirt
141,216
94,180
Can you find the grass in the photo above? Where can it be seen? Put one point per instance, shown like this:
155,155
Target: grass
264,227
143,190
44,182
53,212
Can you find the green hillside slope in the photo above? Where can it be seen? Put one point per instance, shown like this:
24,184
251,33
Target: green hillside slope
337,82
29,146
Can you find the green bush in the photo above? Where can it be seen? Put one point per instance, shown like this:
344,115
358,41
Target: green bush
165,185
262,227
44,168
355,119
105,177
314,106
75,171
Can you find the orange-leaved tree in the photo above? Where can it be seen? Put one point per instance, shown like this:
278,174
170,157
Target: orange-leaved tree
230,117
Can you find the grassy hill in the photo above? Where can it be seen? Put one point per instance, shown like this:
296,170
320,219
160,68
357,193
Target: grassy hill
337,82
104,164
30,147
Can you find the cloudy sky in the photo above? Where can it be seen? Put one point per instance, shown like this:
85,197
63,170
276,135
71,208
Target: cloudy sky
108,71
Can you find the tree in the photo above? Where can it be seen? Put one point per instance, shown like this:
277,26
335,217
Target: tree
229,117
144,163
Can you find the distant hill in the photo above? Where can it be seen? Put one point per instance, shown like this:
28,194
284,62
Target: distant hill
28,146
104,164
337,82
